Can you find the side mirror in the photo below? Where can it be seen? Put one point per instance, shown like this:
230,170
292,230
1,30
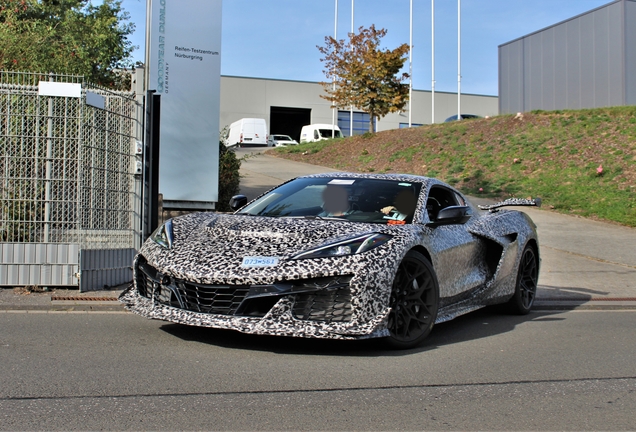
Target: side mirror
452,215
238,201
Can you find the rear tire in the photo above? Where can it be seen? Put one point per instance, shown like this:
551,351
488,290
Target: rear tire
526,287
414,302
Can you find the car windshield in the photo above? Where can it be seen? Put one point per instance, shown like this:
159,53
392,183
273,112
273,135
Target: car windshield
351,199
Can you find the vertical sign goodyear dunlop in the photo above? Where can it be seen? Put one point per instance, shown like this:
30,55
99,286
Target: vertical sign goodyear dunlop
183,58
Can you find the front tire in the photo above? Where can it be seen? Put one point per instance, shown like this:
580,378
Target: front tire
414,302
526,287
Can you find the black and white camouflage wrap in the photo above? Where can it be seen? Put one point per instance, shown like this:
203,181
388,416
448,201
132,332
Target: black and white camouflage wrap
476,264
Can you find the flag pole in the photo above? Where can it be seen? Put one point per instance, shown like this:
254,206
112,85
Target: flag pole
351,111
333,113
432,61
459,60
411,63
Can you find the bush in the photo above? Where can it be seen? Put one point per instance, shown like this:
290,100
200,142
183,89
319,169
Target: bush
229,166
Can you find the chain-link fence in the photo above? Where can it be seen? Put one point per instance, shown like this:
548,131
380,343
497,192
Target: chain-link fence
67,166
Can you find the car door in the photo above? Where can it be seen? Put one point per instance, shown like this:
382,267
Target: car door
457,254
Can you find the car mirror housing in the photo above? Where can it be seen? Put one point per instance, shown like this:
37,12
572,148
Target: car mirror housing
452,215
237,201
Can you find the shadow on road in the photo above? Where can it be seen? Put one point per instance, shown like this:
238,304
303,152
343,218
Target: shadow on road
476,325
569,293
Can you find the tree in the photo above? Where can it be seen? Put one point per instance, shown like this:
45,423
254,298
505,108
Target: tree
66,36
364,75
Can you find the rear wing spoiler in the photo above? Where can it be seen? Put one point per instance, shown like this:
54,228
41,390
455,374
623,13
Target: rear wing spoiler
532,202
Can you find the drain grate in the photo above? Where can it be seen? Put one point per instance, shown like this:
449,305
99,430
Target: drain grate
70,298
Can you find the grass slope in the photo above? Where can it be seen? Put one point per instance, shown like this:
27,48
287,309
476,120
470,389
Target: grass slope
555,155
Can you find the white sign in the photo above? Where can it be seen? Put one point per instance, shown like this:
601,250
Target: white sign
183,51
49,88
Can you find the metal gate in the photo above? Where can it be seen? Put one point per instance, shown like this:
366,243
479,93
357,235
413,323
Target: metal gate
69,194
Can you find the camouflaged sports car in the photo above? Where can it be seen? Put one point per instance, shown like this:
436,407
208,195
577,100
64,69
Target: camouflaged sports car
341,256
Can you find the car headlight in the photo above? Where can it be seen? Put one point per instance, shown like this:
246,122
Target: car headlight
349,246
163,235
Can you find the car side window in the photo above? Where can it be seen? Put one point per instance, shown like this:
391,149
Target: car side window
460,200
439,198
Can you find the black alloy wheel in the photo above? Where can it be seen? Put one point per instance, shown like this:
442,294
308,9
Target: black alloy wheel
526,288
414,302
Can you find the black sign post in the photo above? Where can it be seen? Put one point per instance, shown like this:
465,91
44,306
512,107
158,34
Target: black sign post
151,163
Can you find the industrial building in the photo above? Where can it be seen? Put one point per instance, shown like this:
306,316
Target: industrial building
287,106
587,61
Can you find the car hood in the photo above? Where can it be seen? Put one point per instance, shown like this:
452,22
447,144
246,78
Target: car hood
211,247
278,236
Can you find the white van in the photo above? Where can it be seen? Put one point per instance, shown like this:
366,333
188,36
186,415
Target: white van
247,132
318,132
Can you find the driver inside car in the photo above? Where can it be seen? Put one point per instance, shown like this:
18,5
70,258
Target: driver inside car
335,202
403,206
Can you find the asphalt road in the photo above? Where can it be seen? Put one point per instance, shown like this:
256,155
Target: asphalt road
547,371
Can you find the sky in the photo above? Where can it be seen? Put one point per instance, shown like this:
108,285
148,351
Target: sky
278,38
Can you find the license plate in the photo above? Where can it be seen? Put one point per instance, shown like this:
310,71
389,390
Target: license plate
251,262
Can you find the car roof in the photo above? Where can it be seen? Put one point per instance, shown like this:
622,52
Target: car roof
388,176
426,182
464,117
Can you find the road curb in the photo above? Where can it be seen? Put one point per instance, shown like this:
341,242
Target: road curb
67,307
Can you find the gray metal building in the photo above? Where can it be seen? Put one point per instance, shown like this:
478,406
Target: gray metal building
588,61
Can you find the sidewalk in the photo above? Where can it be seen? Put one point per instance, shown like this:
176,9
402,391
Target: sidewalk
585,264
60,300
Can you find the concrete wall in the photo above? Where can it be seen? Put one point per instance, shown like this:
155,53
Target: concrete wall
253,97
579,63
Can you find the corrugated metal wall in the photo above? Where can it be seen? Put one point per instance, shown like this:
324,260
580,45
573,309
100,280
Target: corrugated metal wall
579,63
103,268
511,77
630,53
39,264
